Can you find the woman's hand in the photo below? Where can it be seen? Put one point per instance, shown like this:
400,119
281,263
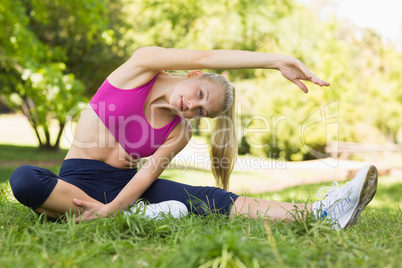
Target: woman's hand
294,70
92,210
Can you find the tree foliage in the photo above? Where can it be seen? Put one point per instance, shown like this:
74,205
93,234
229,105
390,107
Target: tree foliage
50,52
361,105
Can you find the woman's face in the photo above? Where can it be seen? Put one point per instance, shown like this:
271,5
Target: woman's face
195,97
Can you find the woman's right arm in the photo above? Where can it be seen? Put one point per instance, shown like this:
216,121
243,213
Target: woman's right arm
158,58
153,59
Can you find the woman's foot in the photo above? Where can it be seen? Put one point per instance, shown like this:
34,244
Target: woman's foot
158,210
344,205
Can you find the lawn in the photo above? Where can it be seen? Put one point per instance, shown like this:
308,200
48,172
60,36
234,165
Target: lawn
28,240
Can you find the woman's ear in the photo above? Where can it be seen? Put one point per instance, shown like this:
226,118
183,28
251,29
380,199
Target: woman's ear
193,74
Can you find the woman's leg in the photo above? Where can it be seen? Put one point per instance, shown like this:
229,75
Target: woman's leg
258,208
43,191
201,200
197,199
342,205
60,200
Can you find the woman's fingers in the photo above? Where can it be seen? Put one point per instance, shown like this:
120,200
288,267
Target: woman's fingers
87,213
309,76
325,83
91,210
318,81
79,203
301,85
84,217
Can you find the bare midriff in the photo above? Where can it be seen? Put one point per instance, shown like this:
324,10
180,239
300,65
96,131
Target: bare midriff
92,140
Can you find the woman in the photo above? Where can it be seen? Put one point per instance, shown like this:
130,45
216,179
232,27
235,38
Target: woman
138,112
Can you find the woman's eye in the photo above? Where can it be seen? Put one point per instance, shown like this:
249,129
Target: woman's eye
201,112
200,94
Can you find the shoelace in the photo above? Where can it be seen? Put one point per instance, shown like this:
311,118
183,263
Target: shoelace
335,196
334,187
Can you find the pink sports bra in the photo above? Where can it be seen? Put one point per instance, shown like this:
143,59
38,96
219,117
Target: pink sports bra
122,112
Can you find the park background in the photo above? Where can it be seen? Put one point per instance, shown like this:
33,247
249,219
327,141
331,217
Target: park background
55,54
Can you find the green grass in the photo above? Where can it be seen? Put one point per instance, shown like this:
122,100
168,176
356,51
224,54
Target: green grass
27,240
28,153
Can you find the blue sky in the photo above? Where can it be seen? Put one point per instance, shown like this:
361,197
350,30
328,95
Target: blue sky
384,16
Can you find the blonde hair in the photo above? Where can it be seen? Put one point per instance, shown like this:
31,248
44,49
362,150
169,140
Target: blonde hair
223,138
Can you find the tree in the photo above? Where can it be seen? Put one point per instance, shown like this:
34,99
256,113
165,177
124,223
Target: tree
89,33
49,52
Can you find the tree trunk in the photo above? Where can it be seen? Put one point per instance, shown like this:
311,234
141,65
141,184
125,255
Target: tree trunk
47,146
47,136
57,143
25,110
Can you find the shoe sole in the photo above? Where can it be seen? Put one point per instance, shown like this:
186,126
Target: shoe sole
366,195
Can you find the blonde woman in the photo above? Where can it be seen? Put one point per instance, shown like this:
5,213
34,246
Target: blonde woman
142,111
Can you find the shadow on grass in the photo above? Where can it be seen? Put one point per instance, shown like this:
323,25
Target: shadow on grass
6,171
28,153
13,156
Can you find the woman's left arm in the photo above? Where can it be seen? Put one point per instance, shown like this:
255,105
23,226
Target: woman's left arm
141,181
153,167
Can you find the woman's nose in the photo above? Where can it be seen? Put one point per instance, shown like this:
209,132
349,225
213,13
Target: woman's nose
190,105
193,104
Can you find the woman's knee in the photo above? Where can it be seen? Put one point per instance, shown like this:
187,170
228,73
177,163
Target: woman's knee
198,199
212,199
32,185
20,179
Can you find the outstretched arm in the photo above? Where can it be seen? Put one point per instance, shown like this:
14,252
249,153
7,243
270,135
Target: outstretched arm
156,58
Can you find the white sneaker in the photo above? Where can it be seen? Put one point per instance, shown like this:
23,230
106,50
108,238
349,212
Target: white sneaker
344,205
157,211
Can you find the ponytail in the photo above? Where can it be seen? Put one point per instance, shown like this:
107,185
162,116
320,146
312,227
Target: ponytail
223,138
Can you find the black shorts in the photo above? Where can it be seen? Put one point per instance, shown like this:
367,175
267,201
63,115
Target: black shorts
32,185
